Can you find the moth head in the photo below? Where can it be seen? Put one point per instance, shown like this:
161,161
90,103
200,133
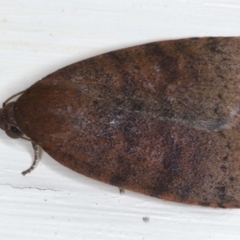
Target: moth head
7,121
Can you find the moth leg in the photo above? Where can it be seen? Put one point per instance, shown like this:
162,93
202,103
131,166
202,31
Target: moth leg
36,159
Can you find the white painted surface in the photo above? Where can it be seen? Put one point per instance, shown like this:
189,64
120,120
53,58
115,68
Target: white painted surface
38,37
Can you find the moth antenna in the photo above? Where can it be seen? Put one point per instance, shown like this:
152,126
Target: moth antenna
13,96
35,161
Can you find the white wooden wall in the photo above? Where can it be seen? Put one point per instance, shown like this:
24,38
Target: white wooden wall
38,37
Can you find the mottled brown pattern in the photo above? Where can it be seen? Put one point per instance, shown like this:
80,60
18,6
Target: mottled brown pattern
161,119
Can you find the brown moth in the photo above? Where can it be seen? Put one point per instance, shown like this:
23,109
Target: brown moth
160,119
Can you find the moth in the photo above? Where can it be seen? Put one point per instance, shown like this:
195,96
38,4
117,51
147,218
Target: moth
161,119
